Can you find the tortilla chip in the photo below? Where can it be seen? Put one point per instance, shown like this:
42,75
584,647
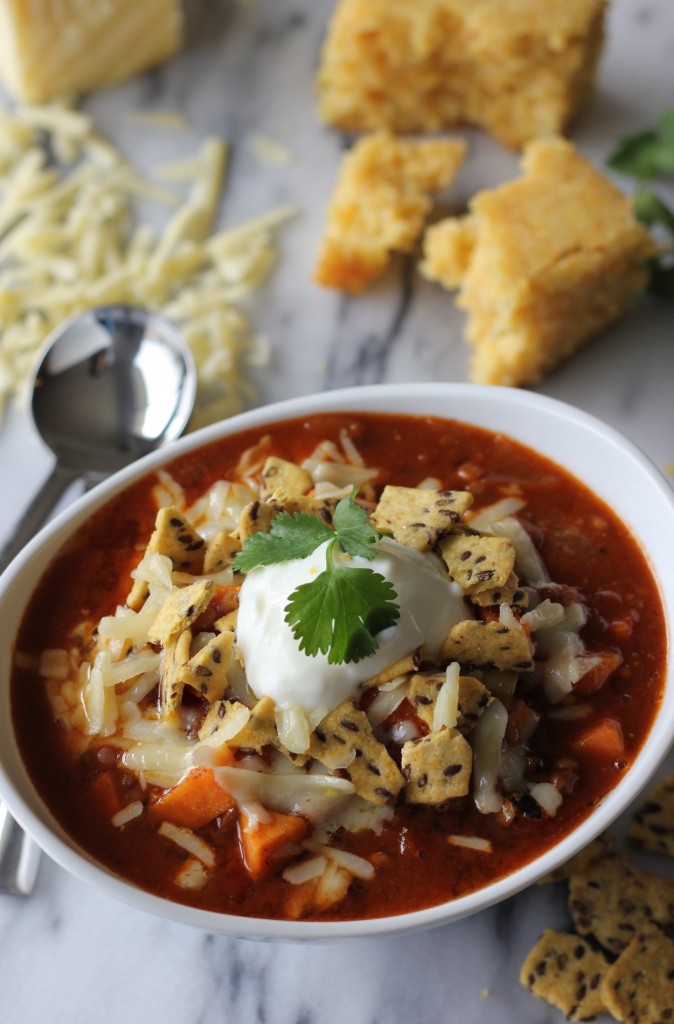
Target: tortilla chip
478,563
171,673
510,593
613,900
492,644
598,848
652,827
402,667
639,987
176,538
437,767
567,972
281,475
345,735
473,698
220,552
179,611
227,623
256,517
206,672
320,508
419,517
260,730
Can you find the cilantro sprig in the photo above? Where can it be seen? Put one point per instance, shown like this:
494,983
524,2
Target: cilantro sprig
646,156
339,612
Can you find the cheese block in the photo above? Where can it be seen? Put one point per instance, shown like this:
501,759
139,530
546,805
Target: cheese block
55,48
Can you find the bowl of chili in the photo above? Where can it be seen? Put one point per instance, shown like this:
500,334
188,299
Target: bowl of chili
448,774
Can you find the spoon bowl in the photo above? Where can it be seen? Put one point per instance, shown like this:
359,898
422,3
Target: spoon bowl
114,384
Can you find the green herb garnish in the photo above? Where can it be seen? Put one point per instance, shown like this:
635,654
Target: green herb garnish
646,156
340,612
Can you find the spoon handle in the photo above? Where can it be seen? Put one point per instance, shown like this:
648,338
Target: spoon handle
37,512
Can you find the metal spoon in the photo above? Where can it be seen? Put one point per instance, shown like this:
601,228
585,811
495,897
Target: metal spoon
114,383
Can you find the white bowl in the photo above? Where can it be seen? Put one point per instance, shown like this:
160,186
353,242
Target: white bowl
595,453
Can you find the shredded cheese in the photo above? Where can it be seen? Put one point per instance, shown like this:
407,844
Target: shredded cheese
70,239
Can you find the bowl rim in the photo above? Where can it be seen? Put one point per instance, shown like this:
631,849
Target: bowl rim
384,398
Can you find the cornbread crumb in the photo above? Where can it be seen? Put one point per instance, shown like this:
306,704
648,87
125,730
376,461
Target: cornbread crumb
518,68
543,263
380,203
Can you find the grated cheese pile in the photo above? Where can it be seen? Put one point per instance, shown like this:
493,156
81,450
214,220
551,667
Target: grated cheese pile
70,239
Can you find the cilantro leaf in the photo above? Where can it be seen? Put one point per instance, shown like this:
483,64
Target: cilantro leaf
650,210
340,612
355,532
644,155
292,535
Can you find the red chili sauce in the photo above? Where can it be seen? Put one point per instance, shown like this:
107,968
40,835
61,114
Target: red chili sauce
583,545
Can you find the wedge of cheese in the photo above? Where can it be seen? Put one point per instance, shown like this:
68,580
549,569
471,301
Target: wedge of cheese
55,48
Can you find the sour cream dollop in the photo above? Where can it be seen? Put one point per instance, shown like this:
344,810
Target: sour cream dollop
430,604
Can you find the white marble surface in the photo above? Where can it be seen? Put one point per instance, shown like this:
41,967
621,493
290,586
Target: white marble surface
71,953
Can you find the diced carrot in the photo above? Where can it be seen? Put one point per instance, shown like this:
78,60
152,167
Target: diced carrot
265,845
227,599
197,799
105,794
593,680
603,739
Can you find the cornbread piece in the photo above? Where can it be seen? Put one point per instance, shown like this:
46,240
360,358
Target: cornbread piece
639,987
566,972
52,49
518,68
380,204
543,263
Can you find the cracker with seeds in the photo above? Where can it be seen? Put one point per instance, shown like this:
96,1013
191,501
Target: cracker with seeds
259,731
652,827
220,552
346,734
287,477
227,623
567,972
206,672
478,563
320,508
176,538
639,987
437,767
400,668
510,593
256,517
473,698
179,611
171,673
492,644
614,899
419,517
598,848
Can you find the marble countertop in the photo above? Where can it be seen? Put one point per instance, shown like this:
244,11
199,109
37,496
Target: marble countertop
70,951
